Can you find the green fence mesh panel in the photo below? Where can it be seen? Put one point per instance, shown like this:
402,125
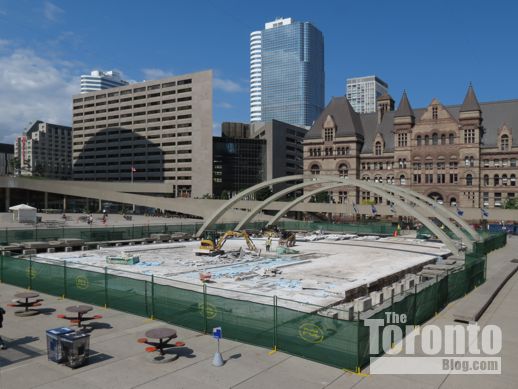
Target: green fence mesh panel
15,271
246,321
316,337
427,303
85,285
47,278
127,295
179,306
457,285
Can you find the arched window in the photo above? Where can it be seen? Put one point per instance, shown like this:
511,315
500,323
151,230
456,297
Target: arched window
310,152
435,138
497,180
486,180
471,161
504,179
426,140
377,148
469,180
443,139
402,180
315,169
513,180
453,202
347,151
343,170
504,142
419,140
451,139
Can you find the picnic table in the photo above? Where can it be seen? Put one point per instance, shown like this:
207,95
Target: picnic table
164,335
25,300
80,311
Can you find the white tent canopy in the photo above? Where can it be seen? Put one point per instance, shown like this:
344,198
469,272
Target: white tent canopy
23,213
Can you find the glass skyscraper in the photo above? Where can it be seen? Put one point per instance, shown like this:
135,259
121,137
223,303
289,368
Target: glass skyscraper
287,72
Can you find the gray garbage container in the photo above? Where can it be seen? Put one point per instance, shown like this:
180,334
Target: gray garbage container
76,347
54,350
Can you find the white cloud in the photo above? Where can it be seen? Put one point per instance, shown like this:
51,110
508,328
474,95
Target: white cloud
33,88
156,74
4,43
227,85
224,104
51,11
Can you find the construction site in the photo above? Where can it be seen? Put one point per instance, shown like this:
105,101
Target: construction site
315,269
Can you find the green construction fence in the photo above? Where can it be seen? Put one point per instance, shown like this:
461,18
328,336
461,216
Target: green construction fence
271,323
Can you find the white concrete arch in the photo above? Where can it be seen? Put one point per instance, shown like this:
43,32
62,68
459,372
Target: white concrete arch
234,200
450,243
278,195
439,208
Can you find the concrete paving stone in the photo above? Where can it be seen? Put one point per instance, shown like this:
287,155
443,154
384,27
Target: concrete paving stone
240,364
345,381
477,381
69,382
27,375
178,382
306,374
124,373
391,381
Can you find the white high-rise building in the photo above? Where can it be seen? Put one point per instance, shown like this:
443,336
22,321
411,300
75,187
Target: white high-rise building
362,92
255,76
98,80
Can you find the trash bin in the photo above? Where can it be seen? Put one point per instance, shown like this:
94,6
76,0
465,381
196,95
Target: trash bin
54,350
76,347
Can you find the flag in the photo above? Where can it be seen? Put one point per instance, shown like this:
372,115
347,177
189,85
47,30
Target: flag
460,212
354,208
485,213
133,170
373,209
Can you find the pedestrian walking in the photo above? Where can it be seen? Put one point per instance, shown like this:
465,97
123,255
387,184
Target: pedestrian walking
2,313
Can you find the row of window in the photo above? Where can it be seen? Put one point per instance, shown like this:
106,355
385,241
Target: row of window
329,151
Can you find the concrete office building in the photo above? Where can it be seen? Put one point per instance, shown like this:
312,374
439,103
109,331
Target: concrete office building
284,149
462,155
99,80
45,150
157,130
363,92
287,73
6,159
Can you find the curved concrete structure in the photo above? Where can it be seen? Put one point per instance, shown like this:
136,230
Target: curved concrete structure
450,243
438,207
278,195
421,202
234,200
424,205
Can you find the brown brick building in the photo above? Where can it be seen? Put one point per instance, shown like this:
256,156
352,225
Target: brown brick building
462,155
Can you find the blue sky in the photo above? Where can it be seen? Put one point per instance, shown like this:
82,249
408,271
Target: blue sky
431,49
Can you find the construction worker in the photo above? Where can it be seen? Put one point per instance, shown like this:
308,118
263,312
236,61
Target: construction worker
268,243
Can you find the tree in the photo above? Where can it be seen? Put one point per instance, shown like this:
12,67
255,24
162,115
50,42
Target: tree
263,194
322,197
511,203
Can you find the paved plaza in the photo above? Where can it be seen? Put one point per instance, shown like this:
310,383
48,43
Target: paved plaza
118,361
